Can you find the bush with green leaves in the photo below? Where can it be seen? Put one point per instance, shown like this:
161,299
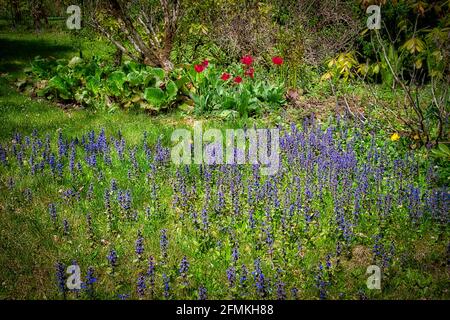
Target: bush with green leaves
95,83
234,92
408,55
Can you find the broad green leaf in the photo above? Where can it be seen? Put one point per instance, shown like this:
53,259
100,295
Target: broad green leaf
171,89
58,84
134,78
130,65
158,72
115,82
93,84
154,96
118,77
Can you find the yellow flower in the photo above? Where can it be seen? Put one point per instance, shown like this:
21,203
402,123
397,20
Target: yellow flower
395,136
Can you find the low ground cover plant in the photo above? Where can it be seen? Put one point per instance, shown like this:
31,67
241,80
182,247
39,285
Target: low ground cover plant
140,227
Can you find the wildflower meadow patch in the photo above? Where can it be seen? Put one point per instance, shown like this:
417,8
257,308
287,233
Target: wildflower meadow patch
338,219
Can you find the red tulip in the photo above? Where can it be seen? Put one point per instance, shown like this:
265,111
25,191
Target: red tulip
277,60
250,72
199,68
238,79
225,76
205,63
247,60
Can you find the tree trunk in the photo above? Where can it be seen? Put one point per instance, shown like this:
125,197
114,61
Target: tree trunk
39,13
138,35
15,13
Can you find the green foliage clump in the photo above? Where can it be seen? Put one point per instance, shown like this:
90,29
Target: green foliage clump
236,92
95,83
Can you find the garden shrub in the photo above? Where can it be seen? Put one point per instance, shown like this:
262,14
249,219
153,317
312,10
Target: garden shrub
93,83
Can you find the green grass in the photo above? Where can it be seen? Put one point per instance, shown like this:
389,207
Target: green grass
18,49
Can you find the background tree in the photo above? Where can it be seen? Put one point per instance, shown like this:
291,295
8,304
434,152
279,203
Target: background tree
15,12
143,30
39,14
